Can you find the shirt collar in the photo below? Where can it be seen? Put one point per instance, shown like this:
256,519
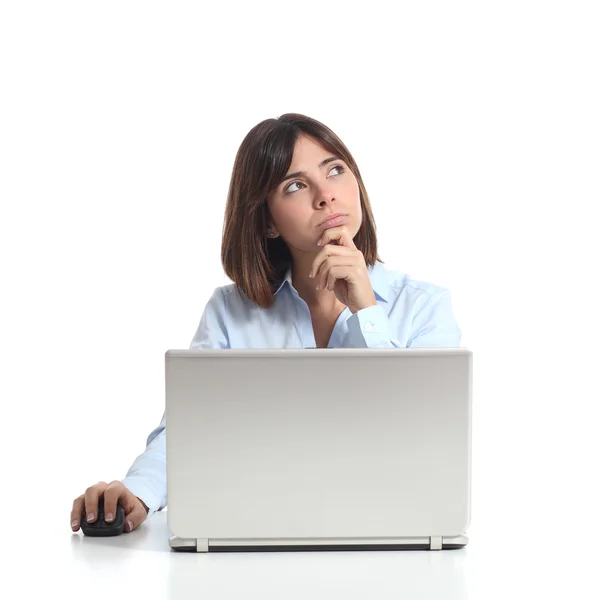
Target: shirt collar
378,275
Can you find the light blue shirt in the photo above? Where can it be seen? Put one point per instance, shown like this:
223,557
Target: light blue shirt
408,314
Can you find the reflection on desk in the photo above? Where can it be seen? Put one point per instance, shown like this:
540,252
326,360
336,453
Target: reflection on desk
143,561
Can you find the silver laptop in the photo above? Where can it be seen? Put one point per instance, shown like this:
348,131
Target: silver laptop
318,449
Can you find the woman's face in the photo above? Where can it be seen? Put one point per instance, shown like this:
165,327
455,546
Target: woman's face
317,186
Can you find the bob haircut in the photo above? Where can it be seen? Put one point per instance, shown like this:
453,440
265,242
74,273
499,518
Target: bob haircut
255,263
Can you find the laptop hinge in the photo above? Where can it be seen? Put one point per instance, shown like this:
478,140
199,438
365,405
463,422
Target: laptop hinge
201,544
435,542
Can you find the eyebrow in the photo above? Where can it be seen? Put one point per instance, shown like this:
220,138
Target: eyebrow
321,164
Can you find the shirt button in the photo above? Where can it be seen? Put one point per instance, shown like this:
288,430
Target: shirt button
368,326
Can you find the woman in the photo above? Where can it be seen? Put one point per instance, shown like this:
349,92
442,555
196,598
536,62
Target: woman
299,244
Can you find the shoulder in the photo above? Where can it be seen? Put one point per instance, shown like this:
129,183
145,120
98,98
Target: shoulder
229,298
225,309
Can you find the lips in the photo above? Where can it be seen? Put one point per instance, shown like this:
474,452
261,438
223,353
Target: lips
334,220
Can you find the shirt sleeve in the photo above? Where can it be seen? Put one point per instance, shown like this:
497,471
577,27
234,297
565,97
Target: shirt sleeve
147,476
435,326
370,328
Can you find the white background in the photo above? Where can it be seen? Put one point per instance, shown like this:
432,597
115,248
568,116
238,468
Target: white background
476,128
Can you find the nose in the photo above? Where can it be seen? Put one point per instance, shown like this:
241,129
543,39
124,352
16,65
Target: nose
324,196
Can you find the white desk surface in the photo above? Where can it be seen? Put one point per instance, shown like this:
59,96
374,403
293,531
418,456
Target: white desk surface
141,565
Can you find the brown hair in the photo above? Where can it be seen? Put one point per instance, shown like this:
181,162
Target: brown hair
255,263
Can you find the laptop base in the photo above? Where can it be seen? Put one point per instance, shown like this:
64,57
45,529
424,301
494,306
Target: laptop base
315,545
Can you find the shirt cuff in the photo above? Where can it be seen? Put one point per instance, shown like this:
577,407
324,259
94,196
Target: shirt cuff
143,492
369,328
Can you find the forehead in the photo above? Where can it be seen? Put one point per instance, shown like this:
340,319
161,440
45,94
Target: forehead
307,150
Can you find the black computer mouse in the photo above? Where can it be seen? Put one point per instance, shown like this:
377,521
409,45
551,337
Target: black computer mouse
102,528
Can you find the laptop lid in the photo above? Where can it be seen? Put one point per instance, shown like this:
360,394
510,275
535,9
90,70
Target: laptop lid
286,446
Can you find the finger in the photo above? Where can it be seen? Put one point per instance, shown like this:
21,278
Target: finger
114,494
91,501
328,251
325,273
339,234
135,517
76,512
339,272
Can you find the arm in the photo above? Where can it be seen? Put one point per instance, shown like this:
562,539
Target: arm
433,325
147,476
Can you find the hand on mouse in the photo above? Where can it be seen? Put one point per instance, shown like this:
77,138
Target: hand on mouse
114,492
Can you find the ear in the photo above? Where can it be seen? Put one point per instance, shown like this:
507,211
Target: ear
272,232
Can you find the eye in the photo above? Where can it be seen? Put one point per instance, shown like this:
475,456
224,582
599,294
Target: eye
287,189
